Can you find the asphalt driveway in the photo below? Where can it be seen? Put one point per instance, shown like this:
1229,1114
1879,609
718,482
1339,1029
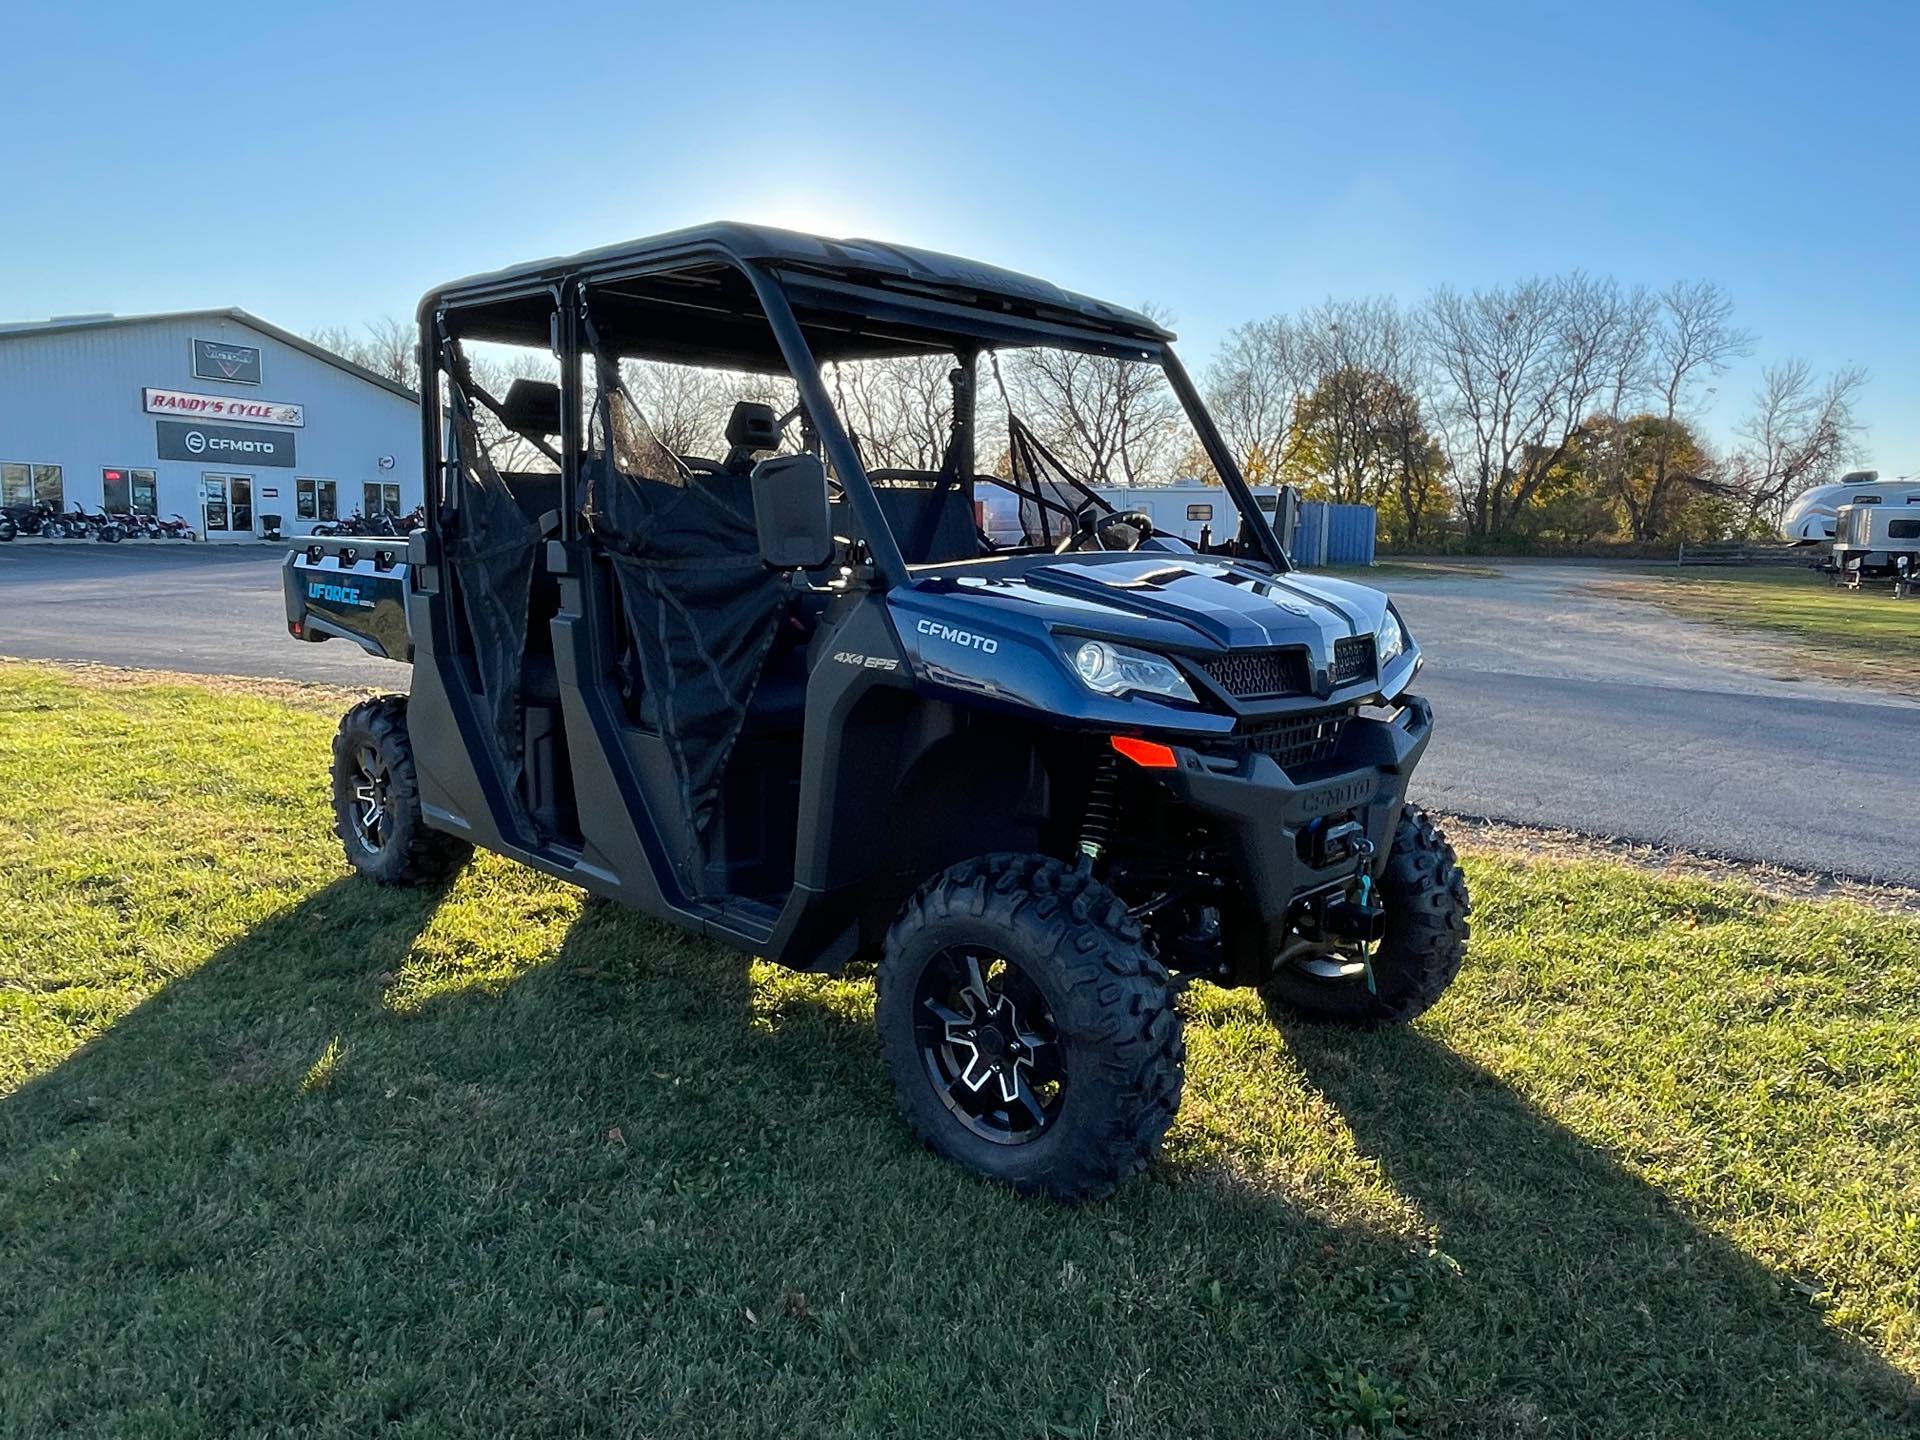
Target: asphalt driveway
1560,704
1557,704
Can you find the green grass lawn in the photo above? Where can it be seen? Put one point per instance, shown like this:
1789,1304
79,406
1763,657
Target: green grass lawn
281,1152
1860,634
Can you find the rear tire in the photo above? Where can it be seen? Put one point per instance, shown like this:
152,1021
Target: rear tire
376,800
1425,899
1057,1067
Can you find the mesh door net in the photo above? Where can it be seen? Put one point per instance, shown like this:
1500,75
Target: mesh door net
702,607
491,547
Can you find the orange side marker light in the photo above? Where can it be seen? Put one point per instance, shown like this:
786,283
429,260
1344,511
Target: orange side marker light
1148,753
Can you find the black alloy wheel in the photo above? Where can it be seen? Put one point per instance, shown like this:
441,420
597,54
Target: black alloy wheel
1028,1026
372,819
989,1044
376,800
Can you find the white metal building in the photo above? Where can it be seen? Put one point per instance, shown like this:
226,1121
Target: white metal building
212,415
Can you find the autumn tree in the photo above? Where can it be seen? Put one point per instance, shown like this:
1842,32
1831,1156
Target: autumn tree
1657,476
1691,339
899,408
1359,439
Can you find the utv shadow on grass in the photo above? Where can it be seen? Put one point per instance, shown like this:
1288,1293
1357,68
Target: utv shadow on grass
322,1184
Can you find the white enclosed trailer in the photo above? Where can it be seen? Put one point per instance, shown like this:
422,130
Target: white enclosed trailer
1877,539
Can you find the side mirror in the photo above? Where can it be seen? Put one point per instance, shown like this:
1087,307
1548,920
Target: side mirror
790,512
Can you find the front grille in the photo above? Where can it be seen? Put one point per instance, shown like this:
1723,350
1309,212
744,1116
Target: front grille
1352,659
1296,740
1261,674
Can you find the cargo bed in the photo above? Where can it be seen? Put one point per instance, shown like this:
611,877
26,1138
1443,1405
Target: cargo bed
353,586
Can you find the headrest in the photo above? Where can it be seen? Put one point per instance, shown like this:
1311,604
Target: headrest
753,426
532,407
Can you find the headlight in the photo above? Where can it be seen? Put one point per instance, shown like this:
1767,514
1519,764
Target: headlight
1115,670
1389,641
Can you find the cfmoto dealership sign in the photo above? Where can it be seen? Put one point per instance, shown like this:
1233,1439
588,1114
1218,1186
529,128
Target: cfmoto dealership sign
223,444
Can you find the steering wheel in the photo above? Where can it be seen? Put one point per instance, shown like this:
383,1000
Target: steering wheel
1118,530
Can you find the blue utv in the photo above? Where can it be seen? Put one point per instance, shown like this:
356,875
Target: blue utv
794,698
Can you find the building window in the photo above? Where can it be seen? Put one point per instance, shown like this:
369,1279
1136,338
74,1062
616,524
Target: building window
125,492
1199,512
379,499
23,485
316,500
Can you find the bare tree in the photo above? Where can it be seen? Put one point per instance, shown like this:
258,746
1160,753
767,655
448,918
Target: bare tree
1523,365
389,348
1116,421
685,405
1255,385
1692,338
1800,432
899,408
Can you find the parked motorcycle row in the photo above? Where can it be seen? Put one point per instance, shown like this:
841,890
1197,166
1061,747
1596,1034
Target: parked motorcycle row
358,524
77,524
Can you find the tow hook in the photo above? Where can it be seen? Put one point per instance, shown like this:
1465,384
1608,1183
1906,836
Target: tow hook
1356,917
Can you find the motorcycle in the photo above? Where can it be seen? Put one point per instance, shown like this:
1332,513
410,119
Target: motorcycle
138,526
32,519
174,527
358,524
8,527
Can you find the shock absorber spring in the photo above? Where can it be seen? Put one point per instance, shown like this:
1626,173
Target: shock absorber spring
1103,806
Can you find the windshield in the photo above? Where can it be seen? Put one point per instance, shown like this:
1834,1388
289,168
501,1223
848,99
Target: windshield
1032,448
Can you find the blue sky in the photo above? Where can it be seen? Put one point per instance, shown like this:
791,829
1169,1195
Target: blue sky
326,165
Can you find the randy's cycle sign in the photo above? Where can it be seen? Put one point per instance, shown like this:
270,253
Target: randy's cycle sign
217,360
226,444
222,407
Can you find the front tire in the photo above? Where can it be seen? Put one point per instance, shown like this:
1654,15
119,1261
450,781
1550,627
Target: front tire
376,800
1031,1035
1424,895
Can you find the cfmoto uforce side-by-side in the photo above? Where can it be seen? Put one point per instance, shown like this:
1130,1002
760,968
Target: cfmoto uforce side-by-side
793,697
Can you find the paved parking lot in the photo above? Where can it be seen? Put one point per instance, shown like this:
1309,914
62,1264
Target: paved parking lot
1557,704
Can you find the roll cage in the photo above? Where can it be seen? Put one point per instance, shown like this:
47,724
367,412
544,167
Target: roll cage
758,300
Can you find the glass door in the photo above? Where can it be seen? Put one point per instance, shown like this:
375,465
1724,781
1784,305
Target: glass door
226,505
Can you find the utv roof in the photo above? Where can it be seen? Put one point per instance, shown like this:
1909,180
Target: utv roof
824,277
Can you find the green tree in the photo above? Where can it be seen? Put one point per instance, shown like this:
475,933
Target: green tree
1658,474
1359,439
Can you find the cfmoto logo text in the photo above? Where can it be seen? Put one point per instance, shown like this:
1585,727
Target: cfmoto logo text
985,644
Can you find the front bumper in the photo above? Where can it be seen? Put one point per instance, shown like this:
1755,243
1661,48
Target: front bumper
1262,814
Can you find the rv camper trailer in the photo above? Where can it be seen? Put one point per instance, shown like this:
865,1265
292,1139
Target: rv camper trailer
1813,514
1187,509
1181,510
1877,540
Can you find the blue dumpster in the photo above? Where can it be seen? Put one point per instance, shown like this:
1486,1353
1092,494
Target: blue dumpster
1334,535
